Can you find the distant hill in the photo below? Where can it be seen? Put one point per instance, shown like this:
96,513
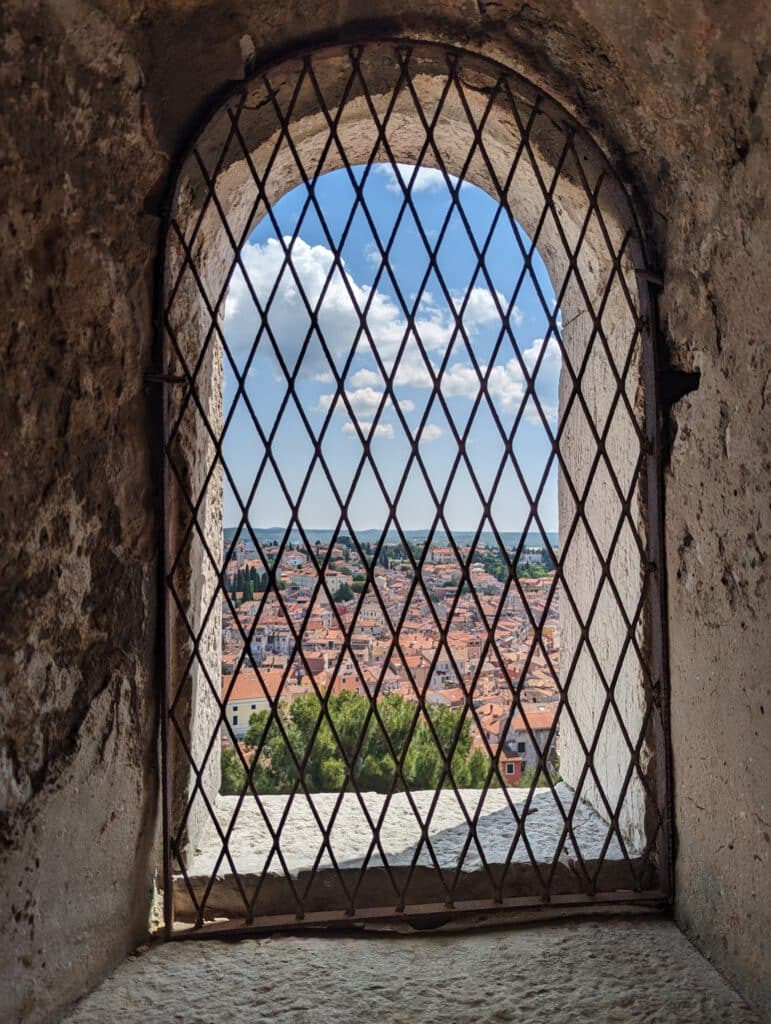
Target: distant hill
276,533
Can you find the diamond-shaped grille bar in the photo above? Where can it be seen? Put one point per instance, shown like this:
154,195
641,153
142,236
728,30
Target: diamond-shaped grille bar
311,685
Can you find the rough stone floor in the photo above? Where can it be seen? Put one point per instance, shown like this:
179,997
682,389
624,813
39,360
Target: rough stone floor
351,836
302,846
621,971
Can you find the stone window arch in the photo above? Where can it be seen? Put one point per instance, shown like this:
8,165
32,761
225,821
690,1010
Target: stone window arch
432,106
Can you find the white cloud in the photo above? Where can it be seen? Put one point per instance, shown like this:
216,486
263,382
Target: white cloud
365,378
460,379
412,370
506,384
547,379
427,179
481,307
381,430
549,411
372,254
340,312
363,401
288,318
551,359
339,315
340,323
431,432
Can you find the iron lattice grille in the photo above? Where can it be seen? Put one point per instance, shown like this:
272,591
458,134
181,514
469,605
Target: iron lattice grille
469,121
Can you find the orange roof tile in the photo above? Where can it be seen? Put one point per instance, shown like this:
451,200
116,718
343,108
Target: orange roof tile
537,718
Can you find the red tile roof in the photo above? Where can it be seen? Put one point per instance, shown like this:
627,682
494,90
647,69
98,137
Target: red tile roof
537,718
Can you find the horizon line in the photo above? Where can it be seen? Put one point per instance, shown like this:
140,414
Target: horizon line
376,529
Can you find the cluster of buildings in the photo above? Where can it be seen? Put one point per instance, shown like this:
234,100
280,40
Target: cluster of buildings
340,635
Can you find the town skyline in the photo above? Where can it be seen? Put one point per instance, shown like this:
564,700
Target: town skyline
298,622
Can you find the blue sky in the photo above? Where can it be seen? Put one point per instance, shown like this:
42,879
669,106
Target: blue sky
467,298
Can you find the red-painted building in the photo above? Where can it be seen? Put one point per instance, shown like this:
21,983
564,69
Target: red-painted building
511,768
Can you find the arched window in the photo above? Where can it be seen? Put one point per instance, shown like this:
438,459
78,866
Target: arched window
413,618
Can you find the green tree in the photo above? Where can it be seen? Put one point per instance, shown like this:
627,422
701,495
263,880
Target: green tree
478,764
532,571
330,763
233,774
343,593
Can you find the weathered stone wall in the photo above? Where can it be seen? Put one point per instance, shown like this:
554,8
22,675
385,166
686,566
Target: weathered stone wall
596,737
97,97
194,525
78,512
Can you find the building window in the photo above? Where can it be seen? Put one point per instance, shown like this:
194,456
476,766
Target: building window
411,440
